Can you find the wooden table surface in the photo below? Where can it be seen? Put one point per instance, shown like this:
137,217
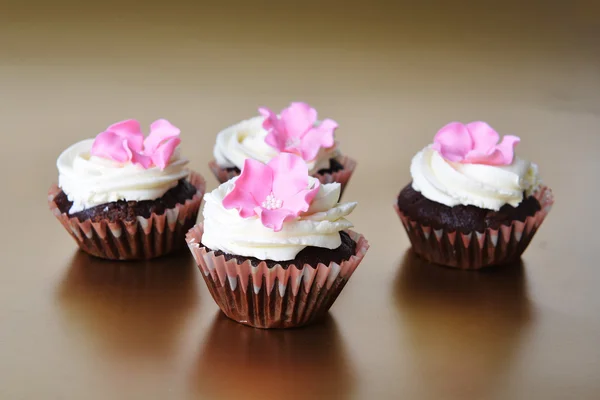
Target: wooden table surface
74,327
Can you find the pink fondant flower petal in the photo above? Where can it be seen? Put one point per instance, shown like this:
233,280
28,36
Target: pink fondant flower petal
294,131
275,192
317,137
507,148
129,129
274,126
290,175
163,153
161,130
242,201
271,120
453,141
251,188
301,200
124,142
485,158
475,143
276,141
141,159
298,119
128,126
484,137
112,146
274,219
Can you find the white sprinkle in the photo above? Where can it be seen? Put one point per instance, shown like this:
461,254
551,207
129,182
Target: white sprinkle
293,142
272,202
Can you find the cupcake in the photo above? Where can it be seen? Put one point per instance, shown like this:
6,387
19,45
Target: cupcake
275,247
122,196
472,203
295,130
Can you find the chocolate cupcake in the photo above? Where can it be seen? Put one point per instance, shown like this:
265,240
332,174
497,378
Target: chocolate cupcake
275,248
296,130
472,203
122,196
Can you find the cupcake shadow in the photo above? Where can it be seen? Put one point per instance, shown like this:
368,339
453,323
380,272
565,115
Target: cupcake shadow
131,310
463,327
236,361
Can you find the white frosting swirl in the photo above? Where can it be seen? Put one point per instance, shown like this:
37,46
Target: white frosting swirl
89,181
320,226
246,139
483,186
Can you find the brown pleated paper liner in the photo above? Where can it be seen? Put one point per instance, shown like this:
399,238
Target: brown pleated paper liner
342,176
222,174
142,238
476,250
264,297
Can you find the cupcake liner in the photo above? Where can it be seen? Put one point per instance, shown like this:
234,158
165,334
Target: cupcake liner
342,176
264,297
474,250
143,238
222,174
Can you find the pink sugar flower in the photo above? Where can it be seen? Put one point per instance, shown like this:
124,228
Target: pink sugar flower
295,130
124,142
474,143
276,192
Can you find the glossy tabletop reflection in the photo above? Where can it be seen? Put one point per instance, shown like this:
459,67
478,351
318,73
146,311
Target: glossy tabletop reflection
76,327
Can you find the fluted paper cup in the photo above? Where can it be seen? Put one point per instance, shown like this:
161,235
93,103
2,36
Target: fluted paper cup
342,176
222,174
142,238
264,297
474,250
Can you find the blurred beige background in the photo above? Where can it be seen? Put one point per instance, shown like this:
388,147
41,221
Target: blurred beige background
391,74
